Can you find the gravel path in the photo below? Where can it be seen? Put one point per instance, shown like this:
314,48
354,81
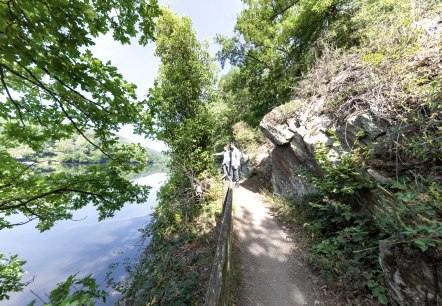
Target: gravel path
273,271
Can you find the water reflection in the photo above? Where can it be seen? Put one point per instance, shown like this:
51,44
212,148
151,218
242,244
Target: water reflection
85,246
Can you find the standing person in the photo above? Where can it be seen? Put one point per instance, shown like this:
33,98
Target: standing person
226,166
236,163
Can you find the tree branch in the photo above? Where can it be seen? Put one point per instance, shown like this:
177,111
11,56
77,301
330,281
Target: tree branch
16,177
53,93
25,18
24,203
17,105
24,83
54,96
43,301
24,222
72,89
38,83
283,10
34,213
259,61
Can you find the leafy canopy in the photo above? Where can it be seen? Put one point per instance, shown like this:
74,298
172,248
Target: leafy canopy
183,89
53,88
274,43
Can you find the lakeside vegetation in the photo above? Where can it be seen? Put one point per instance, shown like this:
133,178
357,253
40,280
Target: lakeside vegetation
75,150
175,266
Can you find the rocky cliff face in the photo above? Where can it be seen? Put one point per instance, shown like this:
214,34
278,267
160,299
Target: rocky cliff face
345,96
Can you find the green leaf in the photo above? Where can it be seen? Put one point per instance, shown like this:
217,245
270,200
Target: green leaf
421,244
383,299
375,291
89,12
371,283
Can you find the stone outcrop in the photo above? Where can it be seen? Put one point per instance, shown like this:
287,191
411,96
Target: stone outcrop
286,166
362,126
413,279
295,134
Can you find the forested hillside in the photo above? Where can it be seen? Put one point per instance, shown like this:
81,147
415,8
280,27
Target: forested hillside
74,150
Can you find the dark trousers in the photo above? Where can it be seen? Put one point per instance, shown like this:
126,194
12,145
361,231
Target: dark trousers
226,171
235,174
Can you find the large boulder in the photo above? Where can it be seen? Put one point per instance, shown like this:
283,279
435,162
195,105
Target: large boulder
412,279
275,126
363,126
295,131
285,169
293,154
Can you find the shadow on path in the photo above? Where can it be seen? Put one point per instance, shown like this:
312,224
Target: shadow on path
271,273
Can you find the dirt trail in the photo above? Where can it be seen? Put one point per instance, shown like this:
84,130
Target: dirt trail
273,271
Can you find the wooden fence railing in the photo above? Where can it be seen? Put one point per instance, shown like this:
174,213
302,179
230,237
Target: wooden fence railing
218,291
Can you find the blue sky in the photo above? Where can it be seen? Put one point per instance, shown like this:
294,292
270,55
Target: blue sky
138,64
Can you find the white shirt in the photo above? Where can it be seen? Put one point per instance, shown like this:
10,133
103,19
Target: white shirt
226,157
236,158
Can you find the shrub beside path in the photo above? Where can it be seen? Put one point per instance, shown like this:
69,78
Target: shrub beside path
273,271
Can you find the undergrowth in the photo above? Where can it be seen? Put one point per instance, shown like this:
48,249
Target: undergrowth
350,214
175,267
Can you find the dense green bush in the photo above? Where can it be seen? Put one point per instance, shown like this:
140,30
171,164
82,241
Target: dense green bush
175,268
73,291
349,214
345,234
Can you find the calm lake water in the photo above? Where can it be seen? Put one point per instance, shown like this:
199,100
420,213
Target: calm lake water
85,246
